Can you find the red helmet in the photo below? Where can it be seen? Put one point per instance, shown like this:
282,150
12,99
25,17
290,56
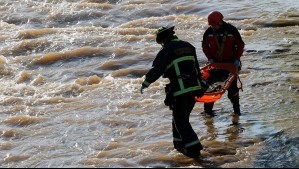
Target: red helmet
214,18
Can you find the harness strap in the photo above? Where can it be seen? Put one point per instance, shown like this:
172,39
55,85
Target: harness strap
241,87
220,48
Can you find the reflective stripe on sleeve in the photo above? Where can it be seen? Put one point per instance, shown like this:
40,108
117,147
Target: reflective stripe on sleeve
145,83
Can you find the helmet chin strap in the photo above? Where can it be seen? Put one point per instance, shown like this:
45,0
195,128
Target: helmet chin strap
166,40
163,42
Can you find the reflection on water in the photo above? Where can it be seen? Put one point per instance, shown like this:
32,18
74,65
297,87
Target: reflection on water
235,129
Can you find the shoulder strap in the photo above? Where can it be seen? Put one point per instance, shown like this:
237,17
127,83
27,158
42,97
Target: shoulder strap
220,48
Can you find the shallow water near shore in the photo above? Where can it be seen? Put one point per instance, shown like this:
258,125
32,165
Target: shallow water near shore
71,71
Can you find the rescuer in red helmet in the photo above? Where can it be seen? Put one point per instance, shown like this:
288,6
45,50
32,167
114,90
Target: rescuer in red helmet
222,43
214,18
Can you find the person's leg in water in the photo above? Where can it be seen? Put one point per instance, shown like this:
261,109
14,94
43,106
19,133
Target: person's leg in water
215,76
185,139
233,95
208,109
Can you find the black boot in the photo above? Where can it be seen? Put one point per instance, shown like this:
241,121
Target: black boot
236,105
179,146
194,151
208,109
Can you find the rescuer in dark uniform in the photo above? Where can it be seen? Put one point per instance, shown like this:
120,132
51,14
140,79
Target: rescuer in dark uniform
178,62
222,43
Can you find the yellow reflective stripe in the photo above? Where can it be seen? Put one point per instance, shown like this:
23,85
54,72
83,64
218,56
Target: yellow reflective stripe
192,143
184,58
175,40
167,67
198,82
146,83
187,90
177,71
177,139
179,60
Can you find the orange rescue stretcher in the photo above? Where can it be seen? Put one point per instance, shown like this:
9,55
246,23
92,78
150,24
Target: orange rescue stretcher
215,91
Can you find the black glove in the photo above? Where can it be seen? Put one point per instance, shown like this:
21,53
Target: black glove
141,88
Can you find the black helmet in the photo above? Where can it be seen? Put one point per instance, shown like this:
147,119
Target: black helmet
164,33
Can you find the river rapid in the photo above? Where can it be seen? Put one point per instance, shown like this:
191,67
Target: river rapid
71,70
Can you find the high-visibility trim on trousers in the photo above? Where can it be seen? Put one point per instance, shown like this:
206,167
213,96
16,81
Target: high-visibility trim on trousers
193,143
177,139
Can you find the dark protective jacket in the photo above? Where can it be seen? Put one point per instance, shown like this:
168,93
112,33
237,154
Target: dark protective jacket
178,62
224,45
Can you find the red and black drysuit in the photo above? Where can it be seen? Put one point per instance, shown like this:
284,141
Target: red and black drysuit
178,62
224,46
